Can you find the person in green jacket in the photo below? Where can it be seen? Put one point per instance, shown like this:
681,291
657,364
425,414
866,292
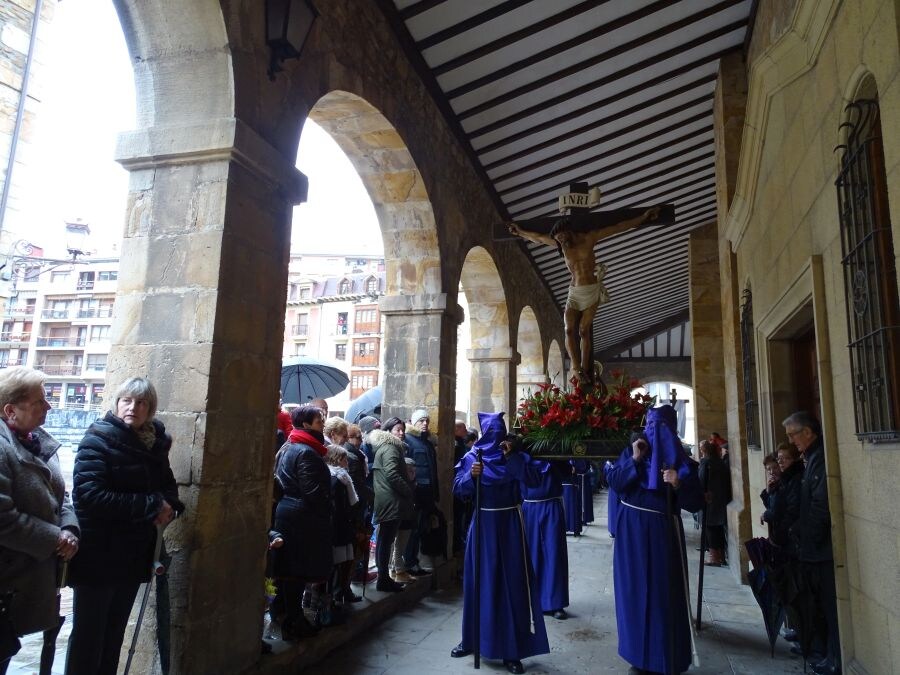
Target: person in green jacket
393,494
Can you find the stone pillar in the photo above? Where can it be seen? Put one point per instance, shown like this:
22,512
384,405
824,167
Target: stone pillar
420,371
706,331
729,110
527,383
493,372
200,310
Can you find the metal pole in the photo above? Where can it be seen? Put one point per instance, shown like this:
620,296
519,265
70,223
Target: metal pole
476,624
702,550
156,569
20,114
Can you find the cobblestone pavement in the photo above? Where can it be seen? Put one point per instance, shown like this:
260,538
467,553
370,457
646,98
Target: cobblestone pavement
419,640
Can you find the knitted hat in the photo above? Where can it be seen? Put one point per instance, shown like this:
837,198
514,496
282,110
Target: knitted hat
367,423
419,414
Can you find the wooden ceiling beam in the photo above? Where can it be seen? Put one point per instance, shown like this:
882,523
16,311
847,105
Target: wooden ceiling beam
469,24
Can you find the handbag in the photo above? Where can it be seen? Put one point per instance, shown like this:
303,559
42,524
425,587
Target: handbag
9,640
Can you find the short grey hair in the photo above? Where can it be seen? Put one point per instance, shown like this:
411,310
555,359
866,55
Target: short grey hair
802,419
335,454
335,425
136,387
16,384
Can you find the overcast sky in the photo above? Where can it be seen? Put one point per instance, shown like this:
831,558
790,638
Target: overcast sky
87,97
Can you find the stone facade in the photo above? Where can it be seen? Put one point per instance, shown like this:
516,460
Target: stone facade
781,237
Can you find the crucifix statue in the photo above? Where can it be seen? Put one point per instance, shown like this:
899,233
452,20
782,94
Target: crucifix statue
574,235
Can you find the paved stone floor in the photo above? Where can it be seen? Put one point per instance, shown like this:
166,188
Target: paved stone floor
419,640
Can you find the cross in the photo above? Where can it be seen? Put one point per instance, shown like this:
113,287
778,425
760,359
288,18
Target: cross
574,235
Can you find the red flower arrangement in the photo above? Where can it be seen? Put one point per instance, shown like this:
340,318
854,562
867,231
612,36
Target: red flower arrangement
556,421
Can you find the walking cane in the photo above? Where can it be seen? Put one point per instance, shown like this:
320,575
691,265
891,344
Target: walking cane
702,551
476,639
156,569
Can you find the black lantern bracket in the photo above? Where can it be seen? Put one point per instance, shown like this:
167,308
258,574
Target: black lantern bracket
288,24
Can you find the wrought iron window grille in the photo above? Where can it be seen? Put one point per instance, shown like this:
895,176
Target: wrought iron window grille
870,276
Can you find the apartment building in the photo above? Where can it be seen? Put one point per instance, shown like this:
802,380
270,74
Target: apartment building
57,319
58,315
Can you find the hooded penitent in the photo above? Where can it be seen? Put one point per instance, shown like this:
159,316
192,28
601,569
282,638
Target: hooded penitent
666,451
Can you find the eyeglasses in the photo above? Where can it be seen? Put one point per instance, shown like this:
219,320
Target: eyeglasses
791,434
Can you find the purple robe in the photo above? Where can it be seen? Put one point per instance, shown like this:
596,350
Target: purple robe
647,573
511,622
545,526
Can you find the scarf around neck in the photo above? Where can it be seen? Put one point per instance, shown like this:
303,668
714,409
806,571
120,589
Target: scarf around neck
309,437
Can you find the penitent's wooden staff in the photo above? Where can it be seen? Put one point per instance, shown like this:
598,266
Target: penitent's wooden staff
476,624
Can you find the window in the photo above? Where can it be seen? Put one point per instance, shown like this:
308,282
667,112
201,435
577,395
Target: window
341,323
371,285
340,352
305,293
111,275
870,276
85,281
366,316
301,328
53,390
4,358
365,348
748,362
96,394
344,288
99,333
58,277
96,362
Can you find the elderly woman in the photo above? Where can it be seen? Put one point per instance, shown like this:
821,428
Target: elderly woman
38,527
716,479
124,493
303,517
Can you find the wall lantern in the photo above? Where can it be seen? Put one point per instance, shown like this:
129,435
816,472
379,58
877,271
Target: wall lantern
76,238
288,23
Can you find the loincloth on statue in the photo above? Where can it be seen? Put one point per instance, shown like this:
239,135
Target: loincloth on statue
582,297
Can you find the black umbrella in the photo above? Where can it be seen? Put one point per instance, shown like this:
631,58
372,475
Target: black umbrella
367,403
304,378
764,589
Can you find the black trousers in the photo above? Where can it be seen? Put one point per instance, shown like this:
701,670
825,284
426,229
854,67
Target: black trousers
820,576
98,628
387,532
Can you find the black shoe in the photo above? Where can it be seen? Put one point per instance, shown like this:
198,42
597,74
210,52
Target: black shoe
791,635
458,651
388,586
266,648
825,668
347,596
514,666
418,572
560,614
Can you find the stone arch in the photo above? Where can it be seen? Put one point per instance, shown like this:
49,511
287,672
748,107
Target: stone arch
556,369
387,169
489,353
530,371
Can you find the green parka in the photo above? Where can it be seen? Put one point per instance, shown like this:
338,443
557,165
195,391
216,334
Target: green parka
393,491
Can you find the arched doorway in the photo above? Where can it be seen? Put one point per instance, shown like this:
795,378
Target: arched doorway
556,369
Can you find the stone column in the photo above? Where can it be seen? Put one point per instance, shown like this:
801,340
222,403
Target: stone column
420,371
706,331
729,110
493,372
200,310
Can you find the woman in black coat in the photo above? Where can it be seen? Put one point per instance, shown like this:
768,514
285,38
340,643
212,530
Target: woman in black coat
715,478
302,517
123,491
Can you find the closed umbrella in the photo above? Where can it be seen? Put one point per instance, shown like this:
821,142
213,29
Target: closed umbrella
304,378
367,403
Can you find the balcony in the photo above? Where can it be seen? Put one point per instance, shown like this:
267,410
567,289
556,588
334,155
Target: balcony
95,368
95,313
15,338
20,311
12,363
55,314
300,331
85,285
366,360
340,329
61,341
368,327
58,370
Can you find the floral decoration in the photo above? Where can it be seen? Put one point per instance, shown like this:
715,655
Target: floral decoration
556,421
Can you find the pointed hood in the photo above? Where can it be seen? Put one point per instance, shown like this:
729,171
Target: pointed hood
666,450
493,432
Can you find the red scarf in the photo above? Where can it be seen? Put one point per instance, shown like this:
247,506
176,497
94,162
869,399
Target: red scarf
303,436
